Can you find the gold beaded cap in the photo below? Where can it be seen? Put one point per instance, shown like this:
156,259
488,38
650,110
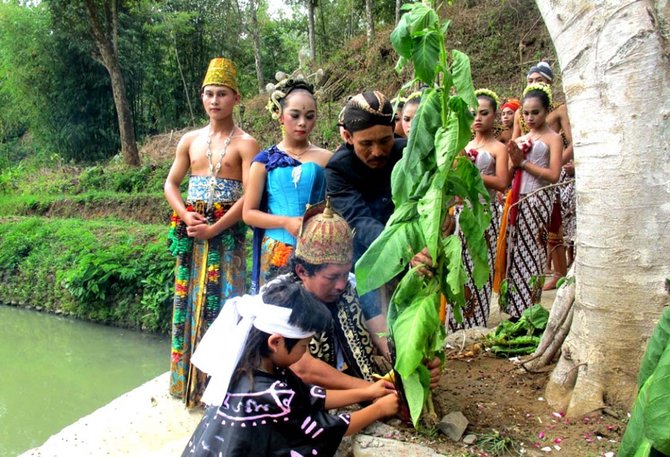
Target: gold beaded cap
221,72
324,237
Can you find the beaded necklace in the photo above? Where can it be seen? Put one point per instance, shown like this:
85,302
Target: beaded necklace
214,169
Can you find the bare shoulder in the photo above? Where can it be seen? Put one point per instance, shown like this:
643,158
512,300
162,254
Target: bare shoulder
497,147
187,140
322,156
246,144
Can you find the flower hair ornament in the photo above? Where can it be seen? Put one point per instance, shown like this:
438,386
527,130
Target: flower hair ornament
539,86
488,93
288,83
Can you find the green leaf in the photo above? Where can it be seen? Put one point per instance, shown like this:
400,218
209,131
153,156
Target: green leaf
405,212
456,276
460,108
400,64
656,414
426,54
536,316
431,212
460,71
422,17
401,39
411,286
474,231
387,256
634,436
411,331
444,27
657,344
415,394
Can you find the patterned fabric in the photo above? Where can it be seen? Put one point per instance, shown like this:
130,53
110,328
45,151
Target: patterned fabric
208,272
349,338
221,72
527,253
271,415
478,301
568,197
274,260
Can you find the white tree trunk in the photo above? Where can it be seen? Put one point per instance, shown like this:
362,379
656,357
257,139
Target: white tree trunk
370,20
616,77
311,28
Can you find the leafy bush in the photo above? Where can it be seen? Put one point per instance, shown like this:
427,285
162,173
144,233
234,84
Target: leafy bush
103,271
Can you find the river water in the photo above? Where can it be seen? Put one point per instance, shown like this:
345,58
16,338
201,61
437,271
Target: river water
54,370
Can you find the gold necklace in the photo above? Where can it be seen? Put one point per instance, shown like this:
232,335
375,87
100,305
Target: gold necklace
299,156
215,168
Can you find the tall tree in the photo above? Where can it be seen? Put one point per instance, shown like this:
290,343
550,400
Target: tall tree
616,78
369,18
311,28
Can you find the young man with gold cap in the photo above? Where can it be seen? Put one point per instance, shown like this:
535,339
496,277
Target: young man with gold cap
207,235
342,357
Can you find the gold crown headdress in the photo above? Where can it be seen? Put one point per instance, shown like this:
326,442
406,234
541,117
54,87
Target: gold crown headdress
221,72
286,83
324,237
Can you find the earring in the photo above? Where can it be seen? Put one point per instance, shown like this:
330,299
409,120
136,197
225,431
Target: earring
283,130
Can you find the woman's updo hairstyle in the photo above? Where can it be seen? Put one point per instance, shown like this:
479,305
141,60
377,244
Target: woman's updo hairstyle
286,85
489,95
541,91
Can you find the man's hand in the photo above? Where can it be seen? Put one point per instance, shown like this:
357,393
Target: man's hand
434,367
191,218
200,231
424,262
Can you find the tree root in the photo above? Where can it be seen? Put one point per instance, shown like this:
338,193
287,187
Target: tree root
557,329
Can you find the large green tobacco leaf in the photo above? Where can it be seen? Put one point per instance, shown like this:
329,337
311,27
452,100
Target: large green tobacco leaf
417,157
431,214
657,344
412,329
460,71
451,140
476,242
425,53
410,287
406,212
657,411
421,17
456,276
388,255
401,38
416,392
634,435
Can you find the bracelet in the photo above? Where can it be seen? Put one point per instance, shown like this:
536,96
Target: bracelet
523,164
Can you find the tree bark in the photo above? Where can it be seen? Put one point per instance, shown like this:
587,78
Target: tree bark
256,37
616,77
370,20
104,31
311,28
398,4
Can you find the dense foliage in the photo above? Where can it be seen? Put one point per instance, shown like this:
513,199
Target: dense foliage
103,271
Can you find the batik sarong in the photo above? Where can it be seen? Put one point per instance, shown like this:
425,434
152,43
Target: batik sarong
208,272
526,252
478,301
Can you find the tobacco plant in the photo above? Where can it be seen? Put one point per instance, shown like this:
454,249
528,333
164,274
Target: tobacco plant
429,179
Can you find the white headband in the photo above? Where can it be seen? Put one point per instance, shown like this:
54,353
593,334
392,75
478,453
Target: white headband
220,349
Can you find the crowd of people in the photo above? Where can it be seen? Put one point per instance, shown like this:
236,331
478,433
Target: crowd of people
255,360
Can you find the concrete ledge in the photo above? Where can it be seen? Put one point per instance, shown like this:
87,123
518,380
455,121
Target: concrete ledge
143,422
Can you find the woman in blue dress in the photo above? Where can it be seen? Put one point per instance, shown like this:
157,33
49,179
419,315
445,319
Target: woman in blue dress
283,180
